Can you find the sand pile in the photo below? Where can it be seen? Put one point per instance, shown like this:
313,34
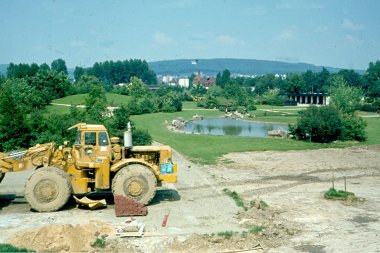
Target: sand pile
62,237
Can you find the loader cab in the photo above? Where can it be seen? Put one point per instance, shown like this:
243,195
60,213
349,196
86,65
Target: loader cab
92,141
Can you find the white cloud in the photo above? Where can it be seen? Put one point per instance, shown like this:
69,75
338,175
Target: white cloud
77,43
162,38
349,25
352,39
288,33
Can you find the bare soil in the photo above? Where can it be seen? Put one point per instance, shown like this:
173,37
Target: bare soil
284,209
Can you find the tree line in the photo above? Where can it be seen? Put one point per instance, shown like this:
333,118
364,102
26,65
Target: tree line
112,73
28,89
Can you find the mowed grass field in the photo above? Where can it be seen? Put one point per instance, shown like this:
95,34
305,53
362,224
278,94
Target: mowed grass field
208,149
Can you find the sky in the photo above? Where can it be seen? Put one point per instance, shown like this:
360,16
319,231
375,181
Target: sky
332,33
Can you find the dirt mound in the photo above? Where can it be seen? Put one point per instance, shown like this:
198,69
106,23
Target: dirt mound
61,237
264,229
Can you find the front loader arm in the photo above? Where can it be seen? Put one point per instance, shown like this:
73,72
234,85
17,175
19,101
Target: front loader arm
34,157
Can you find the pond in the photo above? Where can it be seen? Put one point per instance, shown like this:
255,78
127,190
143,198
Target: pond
224,126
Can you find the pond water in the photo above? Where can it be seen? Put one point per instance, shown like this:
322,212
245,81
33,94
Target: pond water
223,126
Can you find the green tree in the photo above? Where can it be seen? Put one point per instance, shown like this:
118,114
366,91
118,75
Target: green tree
59,65
27,96
265,83
44,67
52,84
346,98
326,124
198,90
14,132
96,103
224,78
310,80
318,124
85,83
272,97
21,70
137,88
294,84
121,118
171,102
78,72
147,105
322,81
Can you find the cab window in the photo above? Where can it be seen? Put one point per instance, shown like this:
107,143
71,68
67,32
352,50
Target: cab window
103,139
78,138
90,138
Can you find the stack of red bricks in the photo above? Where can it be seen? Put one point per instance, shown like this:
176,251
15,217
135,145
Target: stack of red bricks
127,206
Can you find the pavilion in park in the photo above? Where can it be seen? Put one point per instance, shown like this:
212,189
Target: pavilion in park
308,99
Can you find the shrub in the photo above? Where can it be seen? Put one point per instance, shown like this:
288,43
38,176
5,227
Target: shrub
353,128
327,124
318,124
11,248
334,194
141,137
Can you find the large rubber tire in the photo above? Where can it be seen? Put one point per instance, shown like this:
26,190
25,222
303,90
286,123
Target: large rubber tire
2,175
136,181
48,189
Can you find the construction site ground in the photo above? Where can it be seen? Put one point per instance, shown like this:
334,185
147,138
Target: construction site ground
282,194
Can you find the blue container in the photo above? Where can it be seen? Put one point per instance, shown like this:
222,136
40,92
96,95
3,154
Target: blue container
166,168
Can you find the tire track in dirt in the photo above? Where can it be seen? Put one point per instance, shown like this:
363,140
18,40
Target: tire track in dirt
306,177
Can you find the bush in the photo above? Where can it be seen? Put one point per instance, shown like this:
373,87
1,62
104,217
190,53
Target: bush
11,248
318,124
327,124
372,107
141,137
353,128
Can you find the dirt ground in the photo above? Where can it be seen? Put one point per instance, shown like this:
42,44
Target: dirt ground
284,209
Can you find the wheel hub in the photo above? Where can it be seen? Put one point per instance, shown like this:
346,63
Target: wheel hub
135,188
46,191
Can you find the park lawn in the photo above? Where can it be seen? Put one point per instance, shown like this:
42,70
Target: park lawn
208,149
373,131
79,99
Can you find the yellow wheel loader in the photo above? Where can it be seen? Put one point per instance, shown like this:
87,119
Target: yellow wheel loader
95,162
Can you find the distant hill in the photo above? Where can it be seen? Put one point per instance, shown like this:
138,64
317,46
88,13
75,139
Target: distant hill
184,67
241,66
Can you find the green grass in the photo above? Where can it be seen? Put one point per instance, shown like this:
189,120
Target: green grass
342,195
238,200
209,149
226,234
79,99
373,131
11,248
99,243
256,229
190,105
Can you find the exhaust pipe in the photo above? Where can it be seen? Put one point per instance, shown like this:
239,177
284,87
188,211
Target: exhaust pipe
128,137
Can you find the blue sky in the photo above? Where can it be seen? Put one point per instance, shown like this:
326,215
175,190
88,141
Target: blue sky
336,33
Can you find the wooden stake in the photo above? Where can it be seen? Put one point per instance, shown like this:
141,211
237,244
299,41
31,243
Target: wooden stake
333,182
345,184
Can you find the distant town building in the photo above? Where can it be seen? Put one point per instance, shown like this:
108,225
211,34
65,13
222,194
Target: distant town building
168,79
183,82
207,82
282,76
308,99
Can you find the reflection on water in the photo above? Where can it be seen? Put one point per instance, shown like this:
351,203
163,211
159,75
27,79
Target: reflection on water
223,126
